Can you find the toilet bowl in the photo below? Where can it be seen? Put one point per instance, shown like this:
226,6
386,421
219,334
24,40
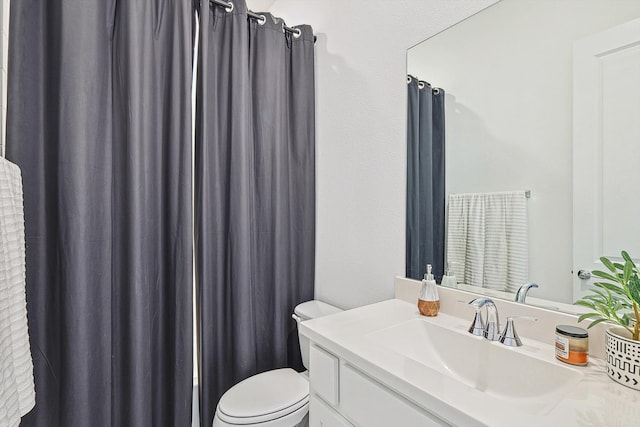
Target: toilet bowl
277,398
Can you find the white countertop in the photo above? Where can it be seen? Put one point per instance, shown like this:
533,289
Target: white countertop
595,401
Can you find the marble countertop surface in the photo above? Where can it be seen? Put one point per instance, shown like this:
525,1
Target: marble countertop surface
595,400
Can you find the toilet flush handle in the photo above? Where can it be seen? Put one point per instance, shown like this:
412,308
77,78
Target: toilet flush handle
296,318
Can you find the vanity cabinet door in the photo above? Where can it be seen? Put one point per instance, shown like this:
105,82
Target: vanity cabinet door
321,415
323,374
370,404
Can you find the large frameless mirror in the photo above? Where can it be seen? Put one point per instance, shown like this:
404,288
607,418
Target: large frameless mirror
540,102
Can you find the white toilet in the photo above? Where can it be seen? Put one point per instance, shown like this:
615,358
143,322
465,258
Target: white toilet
278,398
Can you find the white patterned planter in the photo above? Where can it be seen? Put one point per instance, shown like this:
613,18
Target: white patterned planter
623,358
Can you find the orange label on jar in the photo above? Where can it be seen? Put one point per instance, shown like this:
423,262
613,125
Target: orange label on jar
565,353
575,358
578,357
562,347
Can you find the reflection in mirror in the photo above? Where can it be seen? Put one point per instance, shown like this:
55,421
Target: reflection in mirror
425,179
509,75
487,239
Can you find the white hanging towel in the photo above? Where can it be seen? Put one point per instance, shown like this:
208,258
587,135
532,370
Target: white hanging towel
17,393
488,239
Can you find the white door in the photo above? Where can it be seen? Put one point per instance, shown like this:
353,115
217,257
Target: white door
606,149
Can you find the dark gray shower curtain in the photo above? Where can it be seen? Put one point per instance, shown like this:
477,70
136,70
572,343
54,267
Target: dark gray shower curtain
425,180
99,121
255,196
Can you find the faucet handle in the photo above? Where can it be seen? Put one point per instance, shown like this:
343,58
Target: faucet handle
477,325
510,336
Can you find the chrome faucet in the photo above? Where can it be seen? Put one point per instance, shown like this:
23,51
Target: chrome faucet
490,329
522,292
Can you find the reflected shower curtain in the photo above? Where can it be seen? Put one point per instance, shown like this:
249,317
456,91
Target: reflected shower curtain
425,179
255,196
99,121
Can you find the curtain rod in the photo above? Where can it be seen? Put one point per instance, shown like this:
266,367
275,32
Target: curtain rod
228,6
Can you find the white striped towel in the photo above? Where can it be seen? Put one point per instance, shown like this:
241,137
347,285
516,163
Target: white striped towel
17,393
488,239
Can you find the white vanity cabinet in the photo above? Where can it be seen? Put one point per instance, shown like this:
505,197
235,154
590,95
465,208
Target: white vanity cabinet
343,395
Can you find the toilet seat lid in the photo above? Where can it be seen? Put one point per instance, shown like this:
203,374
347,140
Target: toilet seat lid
263,397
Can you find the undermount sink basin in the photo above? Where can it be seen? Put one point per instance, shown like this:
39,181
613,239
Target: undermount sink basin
533,384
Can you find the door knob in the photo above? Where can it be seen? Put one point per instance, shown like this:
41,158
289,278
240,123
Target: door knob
584,274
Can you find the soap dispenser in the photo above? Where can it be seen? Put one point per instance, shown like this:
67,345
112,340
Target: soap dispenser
429,302
449,278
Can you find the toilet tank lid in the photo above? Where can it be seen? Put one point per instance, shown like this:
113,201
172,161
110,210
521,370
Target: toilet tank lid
314,308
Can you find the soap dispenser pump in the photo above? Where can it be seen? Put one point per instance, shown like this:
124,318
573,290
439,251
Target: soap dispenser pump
429,302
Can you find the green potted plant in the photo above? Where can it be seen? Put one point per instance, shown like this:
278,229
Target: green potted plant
617,300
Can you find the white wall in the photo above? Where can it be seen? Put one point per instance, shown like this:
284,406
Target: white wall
361,134
509,113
